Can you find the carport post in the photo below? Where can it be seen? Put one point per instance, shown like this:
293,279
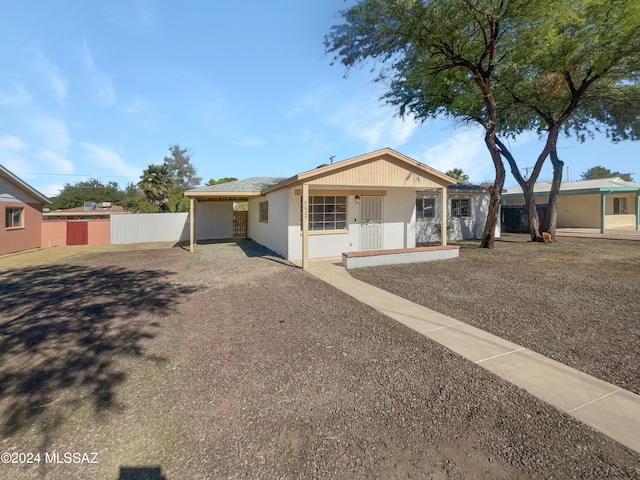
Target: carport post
192,223
305,225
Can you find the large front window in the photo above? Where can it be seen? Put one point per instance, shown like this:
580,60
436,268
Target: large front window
326,212
13,218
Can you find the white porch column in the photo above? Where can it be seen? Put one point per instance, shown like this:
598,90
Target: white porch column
305,225
444,208
192,223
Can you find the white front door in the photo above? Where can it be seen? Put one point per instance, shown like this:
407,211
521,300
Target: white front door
371,222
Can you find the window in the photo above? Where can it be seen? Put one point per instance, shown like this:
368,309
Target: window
326,213
619,205
264,212
425,208
460,207
13,217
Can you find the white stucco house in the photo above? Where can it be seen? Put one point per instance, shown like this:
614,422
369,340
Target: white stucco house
467,209
365,203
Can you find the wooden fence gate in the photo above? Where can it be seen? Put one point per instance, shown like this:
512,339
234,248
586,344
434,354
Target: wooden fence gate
240,221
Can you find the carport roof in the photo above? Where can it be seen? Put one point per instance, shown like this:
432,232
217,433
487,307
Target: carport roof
248,187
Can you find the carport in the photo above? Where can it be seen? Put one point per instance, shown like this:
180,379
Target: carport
219,215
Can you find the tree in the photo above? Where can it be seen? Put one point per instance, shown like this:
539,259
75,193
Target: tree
92,190
562,66
181,169
440,57
602,172
578,76
458,174
155,183
213,181
176,201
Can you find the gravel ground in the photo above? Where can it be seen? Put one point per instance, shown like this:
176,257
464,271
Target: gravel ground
576,301
229,363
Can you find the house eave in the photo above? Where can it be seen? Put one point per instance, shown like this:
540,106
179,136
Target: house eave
22,185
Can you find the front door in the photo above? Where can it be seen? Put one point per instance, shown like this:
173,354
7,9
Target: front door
371,222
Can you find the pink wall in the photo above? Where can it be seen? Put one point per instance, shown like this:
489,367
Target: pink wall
99,232
54,232
25,237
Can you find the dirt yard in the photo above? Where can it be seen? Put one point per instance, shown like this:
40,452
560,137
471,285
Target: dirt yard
229,363
577,301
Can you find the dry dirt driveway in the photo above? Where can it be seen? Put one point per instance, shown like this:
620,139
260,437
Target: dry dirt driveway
228,363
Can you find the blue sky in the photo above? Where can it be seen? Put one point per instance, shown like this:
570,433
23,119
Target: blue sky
102,88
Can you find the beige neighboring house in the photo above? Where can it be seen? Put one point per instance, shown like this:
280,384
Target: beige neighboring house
607,203
21,207
365,203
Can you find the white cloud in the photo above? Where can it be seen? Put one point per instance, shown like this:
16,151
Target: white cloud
360,115
374,124
465,150
11,143
106,158
250,142
11,154
18,96
51,73
136,106
57,162
53,132
99,82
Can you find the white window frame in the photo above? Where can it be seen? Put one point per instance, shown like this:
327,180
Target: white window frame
10,214
263,212
621,203
457,207
420,208
327,211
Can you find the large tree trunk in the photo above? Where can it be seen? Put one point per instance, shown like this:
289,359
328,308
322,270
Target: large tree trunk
489,233
549,225
532,211
527,189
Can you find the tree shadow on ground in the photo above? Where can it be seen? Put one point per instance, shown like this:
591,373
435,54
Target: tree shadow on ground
63,329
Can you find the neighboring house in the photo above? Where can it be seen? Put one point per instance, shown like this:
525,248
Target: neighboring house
21,207
90,211
86,225
363,203
466,212
607,203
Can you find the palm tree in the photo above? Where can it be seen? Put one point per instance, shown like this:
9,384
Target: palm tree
458,174
155,183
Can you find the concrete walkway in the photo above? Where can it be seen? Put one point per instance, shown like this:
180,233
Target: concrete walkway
595,233
605,407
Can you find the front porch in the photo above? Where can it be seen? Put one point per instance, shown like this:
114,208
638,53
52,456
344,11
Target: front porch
375,258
